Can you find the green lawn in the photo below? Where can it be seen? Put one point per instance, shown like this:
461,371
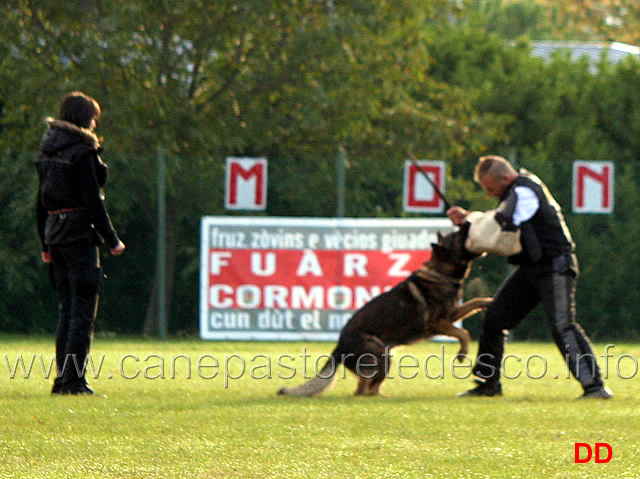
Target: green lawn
192,425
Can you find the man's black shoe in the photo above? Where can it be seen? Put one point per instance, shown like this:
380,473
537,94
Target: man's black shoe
599,393
484,389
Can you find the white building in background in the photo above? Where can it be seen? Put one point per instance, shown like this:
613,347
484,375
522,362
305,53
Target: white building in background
614,52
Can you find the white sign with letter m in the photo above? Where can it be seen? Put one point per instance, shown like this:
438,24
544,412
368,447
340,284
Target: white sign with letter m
246,184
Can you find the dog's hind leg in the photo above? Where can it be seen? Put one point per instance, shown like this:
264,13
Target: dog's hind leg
371,366
374,385
363,387
369,387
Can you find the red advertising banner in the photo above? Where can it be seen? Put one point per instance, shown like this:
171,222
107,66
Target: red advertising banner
302,278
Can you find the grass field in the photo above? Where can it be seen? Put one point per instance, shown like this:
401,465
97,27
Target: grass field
157,422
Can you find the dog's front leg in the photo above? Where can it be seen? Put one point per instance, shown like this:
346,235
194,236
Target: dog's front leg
469,307
444,326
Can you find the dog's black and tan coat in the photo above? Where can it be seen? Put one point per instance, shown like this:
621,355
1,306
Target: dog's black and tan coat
423,305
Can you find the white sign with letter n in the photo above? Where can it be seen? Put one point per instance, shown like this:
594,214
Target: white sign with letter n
246,184
593,186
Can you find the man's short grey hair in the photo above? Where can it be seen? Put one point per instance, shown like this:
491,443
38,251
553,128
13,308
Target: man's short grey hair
494,166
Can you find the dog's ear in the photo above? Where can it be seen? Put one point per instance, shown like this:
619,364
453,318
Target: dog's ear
439,251
464,229
440,236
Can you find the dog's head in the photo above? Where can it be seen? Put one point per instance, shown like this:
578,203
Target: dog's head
450,256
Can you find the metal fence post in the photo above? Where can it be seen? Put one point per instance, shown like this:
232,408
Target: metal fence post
162,246
341,161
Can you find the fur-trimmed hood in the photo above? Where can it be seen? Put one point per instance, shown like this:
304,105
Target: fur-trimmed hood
62,134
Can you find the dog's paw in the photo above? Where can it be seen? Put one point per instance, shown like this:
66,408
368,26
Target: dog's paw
461,355
486,302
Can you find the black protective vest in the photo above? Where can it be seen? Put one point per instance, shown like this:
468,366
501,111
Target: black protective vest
545,236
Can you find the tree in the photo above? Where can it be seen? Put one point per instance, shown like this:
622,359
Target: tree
510,19
290,80
296,80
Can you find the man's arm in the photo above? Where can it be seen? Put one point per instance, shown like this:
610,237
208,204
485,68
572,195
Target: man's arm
527,205
457,215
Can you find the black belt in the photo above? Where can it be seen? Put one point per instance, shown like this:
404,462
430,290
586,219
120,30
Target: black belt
65,210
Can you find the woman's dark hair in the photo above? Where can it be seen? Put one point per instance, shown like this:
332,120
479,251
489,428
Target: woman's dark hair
79,109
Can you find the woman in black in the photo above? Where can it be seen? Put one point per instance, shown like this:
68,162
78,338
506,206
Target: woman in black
72,222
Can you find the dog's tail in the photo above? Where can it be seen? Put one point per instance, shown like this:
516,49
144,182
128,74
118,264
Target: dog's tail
323,381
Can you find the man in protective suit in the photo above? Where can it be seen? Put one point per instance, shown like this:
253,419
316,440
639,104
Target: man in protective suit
546,273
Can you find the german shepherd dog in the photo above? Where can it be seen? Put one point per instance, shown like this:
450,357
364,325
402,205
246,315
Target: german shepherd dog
423,305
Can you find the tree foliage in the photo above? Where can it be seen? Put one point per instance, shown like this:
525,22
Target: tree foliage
294,81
